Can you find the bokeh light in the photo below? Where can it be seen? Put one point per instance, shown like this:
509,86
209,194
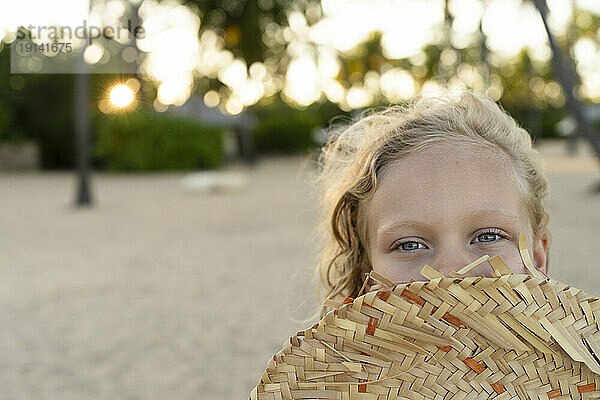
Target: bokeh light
212,98
121,95
173,48
316,41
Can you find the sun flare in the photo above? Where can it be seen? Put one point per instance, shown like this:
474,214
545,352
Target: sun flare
121,95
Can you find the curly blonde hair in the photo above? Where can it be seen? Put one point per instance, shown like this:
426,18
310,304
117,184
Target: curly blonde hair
353,157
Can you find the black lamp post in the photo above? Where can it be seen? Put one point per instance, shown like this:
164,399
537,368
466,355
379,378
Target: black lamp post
83,195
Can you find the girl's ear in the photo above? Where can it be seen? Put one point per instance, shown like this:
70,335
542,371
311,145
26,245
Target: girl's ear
540,252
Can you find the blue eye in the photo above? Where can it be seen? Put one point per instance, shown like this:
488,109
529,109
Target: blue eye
409,246
489,237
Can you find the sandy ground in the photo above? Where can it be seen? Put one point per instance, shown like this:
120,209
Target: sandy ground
157,292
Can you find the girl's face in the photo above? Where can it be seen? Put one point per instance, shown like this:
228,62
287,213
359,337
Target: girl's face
446,206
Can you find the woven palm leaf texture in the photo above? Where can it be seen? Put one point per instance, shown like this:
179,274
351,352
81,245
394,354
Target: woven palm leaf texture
509,336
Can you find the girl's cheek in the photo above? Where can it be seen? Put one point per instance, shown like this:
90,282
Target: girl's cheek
517,266
512,258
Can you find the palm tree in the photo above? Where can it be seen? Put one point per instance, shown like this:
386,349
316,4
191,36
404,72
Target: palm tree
566,75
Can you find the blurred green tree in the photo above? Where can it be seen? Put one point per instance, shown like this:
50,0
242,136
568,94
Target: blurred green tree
259,31
567,76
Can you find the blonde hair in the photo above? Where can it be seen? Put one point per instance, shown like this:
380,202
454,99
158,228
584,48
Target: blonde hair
352,160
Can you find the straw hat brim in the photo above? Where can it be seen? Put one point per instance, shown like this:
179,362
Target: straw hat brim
458,338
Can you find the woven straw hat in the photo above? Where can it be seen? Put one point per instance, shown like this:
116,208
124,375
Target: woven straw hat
512,336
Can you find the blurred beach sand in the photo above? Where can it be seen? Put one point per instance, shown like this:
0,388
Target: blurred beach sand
158,292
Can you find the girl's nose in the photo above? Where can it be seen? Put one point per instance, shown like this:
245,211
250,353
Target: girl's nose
454,258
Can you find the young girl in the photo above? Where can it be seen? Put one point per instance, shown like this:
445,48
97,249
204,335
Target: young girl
440,182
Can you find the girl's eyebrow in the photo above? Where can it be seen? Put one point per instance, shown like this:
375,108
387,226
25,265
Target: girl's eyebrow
393,225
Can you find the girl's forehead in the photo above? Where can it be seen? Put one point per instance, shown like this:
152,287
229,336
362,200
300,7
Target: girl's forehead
441,182
438,155
445,158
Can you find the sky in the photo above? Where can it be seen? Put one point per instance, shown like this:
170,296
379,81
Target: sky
175,55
